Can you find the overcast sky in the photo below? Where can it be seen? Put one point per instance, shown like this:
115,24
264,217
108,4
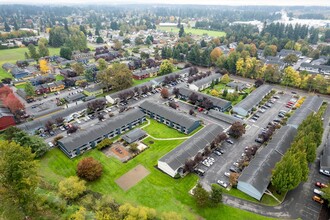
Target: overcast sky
203,2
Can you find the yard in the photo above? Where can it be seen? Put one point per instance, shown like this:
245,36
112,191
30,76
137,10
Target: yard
59,77
157,190
12,55
138,82
194,31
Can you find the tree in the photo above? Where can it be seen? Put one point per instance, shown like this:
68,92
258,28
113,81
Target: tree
33,52
76,40
7,28
215,54
102,64
225,79
326,191
291,77
29,89
90,75
43,64
258,82
237,129
193,98
201,195
270,50
164,93
166,67
181,31
42,47
13,103
57,36
66,53
78,68
215,93
233,177
272,74
170,215
138,41
99,40
80,214
117,45
216,195
290,59
70,188
89,169
176,92
122,76
19,177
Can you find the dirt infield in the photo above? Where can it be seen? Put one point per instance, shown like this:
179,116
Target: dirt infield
132,177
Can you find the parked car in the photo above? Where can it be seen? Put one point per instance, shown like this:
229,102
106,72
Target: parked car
321,185
229,141
222,183
318,192
235,169
50,144
227,174
318,199
217,153
200,172
259,140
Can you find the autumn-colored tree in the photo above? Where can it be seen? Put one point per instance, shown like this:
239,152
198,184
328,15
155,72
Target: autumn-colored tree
164,93
70,188
215,93
225,79
233,177
89,169
4,92
215,54
44,68
237,129
13,103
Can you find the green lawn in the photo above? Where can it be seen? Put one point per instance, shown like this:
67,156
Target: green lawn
194,31
59,77
21,86
138,82
12,55
159,130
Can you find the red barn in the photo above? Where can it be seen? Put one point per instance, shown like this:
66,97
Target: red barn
6,118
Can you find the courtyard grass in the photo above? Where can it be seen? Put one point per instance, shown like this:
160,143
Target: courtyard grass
59,77
194,31
21,86
159,130
138,82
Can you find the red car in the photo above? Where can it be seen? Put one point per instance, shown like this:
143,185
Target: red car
321,185
200,109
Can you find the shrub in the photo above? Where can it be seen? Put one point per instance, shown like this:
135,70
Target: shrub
104,143
89,169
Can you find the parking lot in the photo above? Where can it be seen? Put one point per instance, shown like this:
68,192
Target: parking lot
234,151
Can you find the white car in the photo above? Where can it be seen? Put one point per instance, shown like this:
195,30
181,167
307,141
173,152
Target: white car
318,192
227,174
222,183
50,144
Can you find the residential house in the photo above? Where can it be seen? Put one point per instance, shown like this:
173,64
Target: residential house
173,162
237,85
283,53
170,117
93,91
252,100
38,80
143,74
78,80
204,83
68,72
77,55
270,60
19,73
316,69
6,118
41,89
84,140
75,97
135,63
56,86
8,66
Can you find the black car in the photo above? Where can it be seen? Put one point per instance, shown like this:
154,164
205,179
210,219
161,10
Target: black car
235,169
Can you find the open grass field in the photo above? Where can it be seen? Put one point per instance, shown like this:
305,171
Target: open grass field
157,190
194,31
138,82
12,55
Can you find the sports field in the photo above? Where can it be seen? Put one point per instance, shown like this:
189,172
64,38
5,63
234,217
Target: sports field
194,31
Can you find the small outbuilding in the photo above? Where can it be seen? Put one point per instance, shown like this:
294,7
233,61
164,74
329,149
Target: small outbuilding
134,135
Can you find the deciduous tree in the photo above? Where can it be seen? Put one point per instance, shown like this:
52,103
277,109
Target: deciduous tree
215,54
166,67
43,64
216,195
201,195
71,187
89,169
237,129
164,93
29,89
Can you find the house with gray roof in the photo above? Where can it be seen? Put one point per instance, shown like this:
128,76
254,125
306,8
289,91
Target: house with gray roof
218,104
255,178
325,159
237,85
228,119
84,140
204,83
252,100
284,52
134,135
170,117
316,69
173,162
311,104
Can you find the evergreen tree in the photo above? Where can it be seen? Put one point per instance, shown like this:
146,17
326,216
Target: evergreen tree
181,31
7,28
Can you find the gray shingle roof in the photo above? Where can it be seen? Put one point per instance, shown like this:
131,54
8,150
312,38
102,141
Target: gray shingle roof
259,172
254,98
325,157
206,80
134,135
169,113
188,149
75,97
102,128
311,104
224,117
